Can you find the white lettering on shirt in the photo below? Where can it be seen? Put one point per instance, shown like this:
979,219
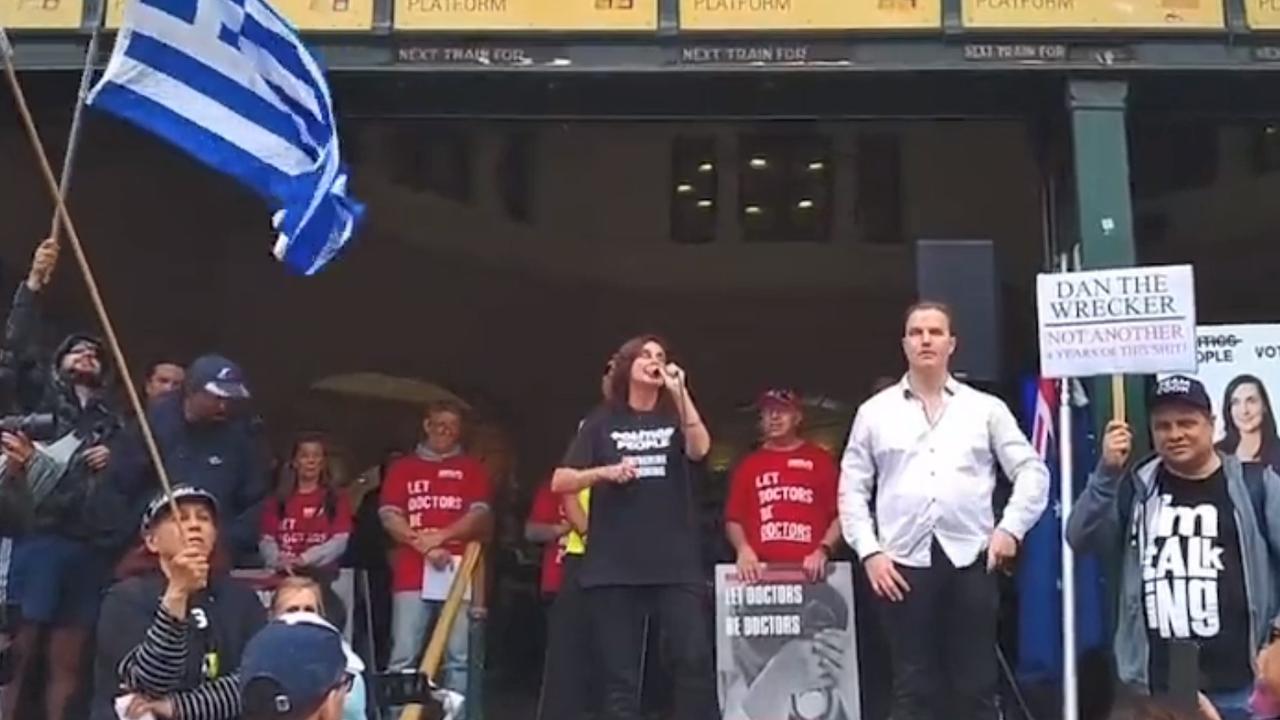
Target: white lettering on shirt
1180,572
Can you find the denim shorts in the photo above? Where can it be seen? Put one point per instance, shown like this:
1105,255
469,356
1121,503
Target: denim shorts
58,581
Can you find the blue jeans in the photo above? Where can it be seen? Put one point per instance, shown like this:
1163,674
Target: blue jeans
1232,705
410,618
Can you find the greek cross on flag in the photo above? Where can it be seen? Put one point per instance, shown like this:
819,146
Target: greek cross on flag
230,82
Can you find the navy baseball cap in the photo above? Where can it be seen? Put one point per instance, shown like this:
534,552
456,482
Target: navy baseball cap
289,668
218,376
158,508
1180,390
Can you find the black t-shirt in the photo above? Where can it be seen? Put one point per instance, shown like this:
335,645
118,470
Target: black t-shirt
1193,583
642,532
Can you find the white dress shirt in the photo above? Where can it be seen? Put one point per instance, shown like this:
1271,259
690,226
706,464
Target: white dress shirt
935,481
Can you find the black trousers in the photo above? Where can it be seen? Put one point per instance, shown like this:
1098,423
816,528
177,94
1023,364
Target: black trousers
618,627
942,642
567,675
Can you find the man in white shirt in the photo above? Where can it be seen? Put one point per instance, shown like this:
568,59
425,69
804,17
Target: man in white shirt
927,447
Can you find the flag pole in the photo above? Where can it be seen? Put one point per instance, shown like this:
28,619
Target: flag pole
113,342
1066,498
1070,686
77,115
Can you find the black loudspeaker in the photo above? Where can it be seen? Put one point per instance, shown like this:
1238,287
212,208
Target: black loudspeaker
962,274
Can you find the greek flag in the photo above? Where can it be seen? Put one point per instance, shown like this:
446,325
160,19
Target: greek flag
230,82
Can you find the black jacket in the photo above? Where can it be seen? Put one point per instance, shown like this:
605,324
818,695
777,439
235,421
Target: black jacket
96,422
219,457
231,612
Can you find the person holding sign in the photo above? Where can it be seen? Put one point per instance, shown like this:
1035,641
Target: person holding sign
635,451
928,448
782,497
1193,542
433,502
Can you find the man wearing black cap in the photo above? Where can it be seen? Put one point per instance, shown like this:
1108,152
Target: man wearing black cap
170,640
294,671
1193,542
204,445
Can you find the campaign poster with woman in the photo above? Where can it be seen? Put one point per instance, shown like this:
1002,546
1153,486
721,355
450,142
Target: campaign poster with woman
1240,368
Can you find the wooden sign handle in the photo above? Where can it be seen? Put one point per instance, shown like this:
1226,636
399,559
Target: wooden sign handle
1117,398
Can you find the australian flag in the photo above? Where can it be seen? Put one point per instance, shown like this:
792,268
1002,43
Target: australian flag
1040,567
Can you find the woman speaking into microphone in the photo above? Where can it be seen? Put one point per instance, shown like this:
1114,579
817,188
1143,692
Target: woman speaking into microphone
643,558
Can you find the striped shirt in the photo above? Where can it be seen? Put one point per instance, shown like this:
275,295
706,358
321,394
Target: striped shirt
155,666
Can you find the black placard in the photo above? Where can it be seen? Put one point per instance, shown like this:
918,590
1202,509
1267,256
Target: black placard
477,54
761,53
1105,55
1267,53
1016,52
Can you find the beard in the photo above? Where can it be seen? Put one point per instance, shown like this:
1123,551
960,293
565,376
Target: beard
83,378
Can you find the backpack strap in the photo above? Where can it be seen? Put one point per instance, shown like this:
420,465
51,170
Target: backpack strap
1258,497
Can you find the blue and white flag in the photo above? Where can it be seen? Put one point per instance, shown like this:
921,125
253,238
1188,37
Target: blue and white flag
230,82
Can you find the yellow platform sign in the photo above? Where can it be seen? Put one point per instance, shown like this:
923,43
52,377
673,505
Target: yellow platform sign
1096,14
308,15
527,15
809,14
41,14
1263,14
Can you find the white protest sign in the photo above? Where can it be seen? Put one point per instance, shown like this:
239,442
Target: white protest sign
1137,320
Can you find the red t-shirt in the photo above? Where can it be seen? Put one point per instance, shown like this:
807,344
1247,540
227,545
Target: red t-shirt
305,522
784,501
547,510
433,494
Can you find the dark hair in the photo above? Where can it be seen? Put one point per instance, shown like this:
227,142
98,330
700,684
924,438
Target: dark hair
623,360
288,484
935,305
156,363
1269,448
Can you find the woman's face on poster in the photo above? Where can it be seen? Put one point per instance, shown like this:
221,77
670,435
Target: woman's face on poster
1247,410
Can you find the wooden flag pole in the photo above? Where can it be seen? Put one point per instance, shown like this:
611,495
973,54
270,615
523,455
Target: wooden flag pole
434,654
113,342
1117,398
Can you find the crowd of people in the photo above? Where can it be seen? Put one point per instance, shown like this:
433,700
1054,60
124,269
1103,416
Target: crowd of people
913,497
120,599
125,592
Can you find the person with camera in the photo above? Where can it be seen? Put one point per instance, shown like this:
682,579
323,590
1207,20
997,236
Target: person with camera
171,638
55,463
1194,541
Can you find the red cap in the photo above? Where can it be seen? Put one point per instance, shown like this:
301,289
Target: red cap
779,397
